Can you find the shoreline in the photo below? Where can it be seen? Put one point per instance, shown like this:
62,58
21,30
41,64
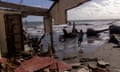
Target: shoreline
108,54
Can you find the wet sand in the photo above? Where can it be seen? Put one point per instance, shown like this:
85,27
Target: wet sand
107,53
103,51
92,48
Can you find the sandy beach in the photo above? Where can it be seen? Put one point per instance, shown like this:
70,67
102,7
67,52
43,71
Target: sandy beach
94,47
109,54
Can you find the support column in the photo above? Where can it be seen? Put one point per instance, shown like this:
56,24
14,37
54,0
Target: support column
59,10
47,23
49,29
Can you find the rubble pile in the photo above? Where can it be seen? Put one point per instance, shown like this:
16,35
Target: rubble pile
91,65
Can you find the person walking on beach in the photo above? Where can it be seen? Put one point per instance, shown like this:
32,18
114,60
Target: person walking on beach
80,38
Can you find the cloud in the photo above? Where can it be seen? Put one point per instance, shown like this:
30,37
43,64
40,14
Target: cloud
96,9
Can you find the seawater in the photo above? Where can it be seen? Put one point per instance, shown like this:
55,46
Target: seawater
71,45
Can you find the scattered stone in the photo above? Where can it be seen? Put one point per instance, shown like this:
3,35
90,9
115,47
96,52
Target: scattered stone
75,65
92,65
102,70
66,71
88,59
102,64
69,57
83,70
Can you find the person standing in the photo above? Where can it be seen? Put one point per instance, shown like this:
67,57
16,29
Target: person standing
80,38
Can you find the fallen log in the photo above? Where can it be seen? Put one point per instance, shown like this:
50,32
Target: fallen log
114,29
91,32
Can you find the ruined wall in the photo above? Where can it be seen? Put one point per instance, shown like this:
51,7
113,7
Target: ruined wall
3,37
3,43
59,11
47,23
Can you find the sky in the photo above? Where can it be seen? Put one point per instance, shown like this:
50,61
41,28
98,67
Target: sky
34,3
94,9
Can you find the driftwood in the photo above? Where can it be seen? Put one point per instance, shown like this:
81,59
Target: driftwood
113,39
67,35
114,29
91,32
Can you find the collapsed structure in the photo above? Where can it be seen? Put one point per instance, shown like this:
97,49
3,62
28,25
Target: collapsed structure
11,34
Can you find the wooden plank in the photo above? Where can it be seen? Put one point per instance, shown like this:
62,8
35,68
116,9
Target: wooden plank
54,0
22,7
26,13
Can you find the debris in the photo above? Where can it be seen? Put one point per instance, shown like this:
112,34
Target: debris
113,39
114,29
83,70
92,65
102,70
95,65
60,66
69,57
91,32
66,71
75,65
102,64
88,59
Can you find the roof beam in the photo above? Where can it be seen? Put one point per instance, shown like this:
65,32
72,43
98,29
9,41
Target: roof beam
22,7
55,0
26,13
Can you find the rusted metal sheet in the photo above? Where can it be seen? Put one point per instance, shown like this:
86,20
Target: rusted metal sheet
20,69
3,60
60,66
36,63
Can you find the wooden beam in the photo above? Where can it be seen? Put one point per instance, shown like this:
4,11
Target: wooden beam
54,0
22,7
58,10
26,13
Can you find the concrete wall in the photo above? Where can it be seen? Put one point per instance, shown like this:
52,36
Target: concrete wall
59,11
3,43
47,23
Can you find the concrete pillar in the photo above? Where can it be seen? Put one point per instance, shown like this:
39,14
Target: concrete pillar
3,42
47,23
49,29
